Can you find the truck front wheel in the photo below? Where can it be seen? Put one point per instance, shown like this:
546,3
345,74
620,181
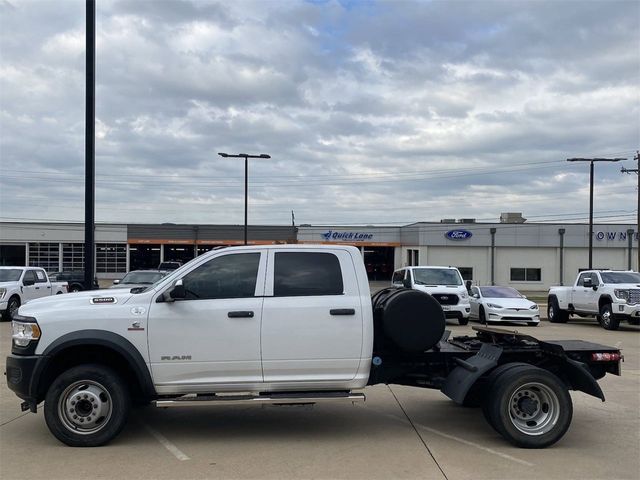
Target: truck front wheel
530,407
12,308
554,313
87,406
607,319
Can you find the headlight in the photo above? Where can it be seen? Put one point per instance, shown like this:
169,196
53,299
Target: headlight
622,294
3,292
493,305
533,307
24,332
463,295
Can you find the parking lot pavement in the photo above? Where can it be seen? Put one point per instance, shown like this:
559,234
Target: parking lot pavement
435,439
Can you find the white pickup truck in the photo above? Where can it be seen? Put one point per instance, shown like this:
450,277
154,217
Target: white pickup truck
280,324
610,295
18,285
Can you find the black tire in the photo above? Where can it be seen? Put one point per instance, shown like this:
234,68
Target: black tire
554,313
530,407
463,321
12,307
607,319
482,316
91,392
74,288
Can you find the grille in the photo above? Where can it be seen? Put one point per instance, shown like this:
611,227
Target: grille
446,298
517,318
634,295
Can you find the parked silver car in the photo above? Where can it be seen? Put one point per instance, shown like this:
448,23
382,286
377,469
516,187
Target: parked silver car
139,278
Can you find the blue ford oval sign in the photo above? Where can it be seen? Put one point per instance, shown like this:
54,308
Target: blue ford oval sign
458,234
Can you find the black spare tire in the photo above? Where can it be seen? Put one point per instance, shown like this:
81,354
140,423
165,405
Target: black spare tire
412,320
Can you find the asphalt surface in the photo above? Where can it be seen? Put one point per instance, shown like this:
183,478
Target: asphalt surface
400,432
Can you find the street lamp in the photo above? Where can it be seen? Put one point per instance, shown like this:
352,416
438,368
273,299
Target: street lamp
246,180
591,162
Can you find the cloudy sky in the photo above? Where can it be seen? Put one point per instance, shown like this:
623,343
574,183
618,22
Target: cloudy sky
375,112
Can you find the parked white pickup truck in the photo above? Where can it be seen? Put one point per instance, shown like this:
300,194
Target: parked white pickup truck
610,295
18,285
290,324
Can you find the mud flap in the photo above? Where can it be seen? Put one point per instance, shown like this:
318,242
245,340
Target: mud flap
581,379
462,378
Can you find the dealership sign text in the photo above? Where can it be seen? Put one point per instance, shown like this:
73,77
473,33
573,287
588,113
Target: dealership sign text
346,236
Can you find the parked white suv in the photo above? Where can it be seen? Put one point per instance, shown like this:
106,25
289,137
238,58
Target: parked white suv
445,284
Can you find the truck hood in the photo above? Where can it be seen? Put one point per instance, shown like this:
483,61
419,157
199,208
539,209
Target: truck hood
70,301
8,284
617,286
457,289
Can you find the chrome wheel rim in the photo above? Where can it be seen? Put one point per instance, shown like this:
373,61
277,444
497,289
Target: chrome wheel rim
85,407
552,312
534,409
606,316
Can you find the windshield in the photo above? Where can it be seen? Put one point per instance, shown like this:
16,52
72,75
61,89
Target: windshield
436,276
620,277
10,274
142,277
500,292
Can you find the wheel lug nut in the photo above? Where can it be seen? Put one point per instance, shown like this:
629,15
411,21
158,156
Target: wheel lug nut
73,402
71,410
75,417
86,396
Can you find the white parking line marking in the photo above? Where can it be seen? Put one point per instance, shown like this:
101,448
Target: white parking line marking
473,444
166,443
457,439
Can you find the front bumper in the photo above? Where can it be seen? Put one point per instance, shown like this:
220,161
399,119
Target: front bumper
626,310
461,310
508,315
3,305
20,370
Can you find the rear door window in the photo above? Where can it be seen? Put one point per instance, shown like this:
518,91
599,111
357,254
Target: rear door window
307,274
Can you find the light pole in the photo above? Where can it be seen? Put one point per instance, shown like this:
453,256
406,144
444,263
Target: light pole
246,157
591,162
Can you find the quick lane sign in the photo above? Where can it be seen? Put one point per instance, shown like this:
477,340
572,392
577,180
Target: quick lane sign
346,236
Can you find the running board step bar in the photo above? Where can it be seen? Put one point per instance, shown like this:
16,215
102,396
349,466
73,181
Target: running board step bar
269,399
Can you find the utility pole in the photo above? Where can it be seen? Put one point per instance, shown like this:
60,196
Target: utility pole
591,162
90,147
637,172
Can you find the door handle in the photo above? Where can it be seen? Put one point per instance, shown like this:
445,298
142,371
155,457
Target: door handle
37,288
342,311
240,314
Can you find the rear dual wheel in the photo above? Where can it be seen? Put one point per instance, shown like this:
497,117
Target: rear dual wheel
529,406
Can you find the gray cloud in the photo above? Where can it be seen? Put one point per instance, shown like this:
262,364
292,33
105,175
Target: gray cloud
373,112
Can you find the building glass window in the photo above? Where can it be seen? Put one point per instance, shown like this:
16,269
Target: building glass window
44,255
466,272
307,273
72,257
526,274
111,258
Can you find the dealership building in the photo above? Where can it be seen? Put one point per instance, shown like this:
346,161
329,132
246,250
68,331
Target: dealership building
527,256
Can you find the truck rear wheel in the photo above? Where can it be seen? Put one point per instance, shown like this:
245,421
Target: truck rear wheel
554,313
87,406
607,318
530,407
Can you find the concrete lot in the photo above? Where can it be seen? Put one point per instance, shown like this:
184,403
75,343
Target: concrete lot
371,441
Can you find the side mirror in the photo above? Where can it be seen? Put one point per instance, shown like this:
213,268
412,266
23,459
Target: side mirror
595,288
587,283
116,282
28,282
176,293
406,283
475,295
524,296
